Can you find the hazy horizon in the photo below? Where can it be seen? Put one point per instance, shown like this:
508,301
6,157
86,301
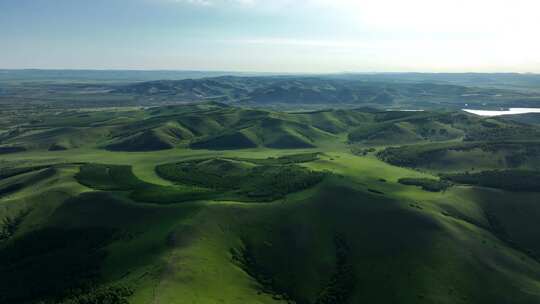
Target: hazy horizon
254,72
282,36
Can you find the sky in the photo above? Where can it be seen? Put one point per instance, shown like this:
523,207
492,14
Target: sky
283,36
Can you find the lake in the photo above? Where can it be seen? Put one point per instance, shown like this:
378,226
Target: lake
511,111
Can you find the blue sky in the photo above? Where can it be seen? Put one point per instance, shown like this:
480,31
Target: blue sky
273,35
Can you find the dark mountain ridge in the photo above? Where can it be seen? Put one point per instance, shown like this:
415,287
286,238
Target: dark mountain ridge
320,90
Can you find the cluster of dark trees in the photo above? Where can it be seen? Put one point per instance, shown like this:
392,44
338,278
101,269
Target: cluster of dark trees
10,224
500,133
428,184
362,151
284,160
337,290
246,259
266,182
343,281
105,295
411,156
428,133
275,182
512,180
521,153
416,155
196,174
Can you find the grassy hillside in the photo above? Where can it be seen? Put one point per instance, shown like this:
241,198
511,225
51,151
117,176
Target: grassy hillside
216,126
209,203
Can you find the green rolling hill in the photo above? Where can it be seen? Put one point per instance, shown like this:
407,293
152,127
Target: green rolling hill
215,126
211,203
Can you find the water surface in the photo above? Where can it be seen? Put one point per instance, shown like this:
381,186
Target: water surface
511,111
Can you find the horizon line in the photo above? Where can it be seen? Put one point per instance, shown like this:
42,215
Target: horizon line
257,72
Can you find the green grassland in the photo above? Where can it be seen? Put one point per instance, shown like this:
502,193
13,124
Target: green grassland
256,206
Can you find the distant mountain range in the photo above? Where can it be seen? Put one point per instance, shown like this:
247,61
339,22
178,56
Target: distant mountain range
325,90
382,90
106,75
516,80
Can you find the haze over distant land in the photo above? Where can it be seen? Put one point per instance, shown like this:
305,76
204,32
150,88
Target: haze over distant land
315,36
